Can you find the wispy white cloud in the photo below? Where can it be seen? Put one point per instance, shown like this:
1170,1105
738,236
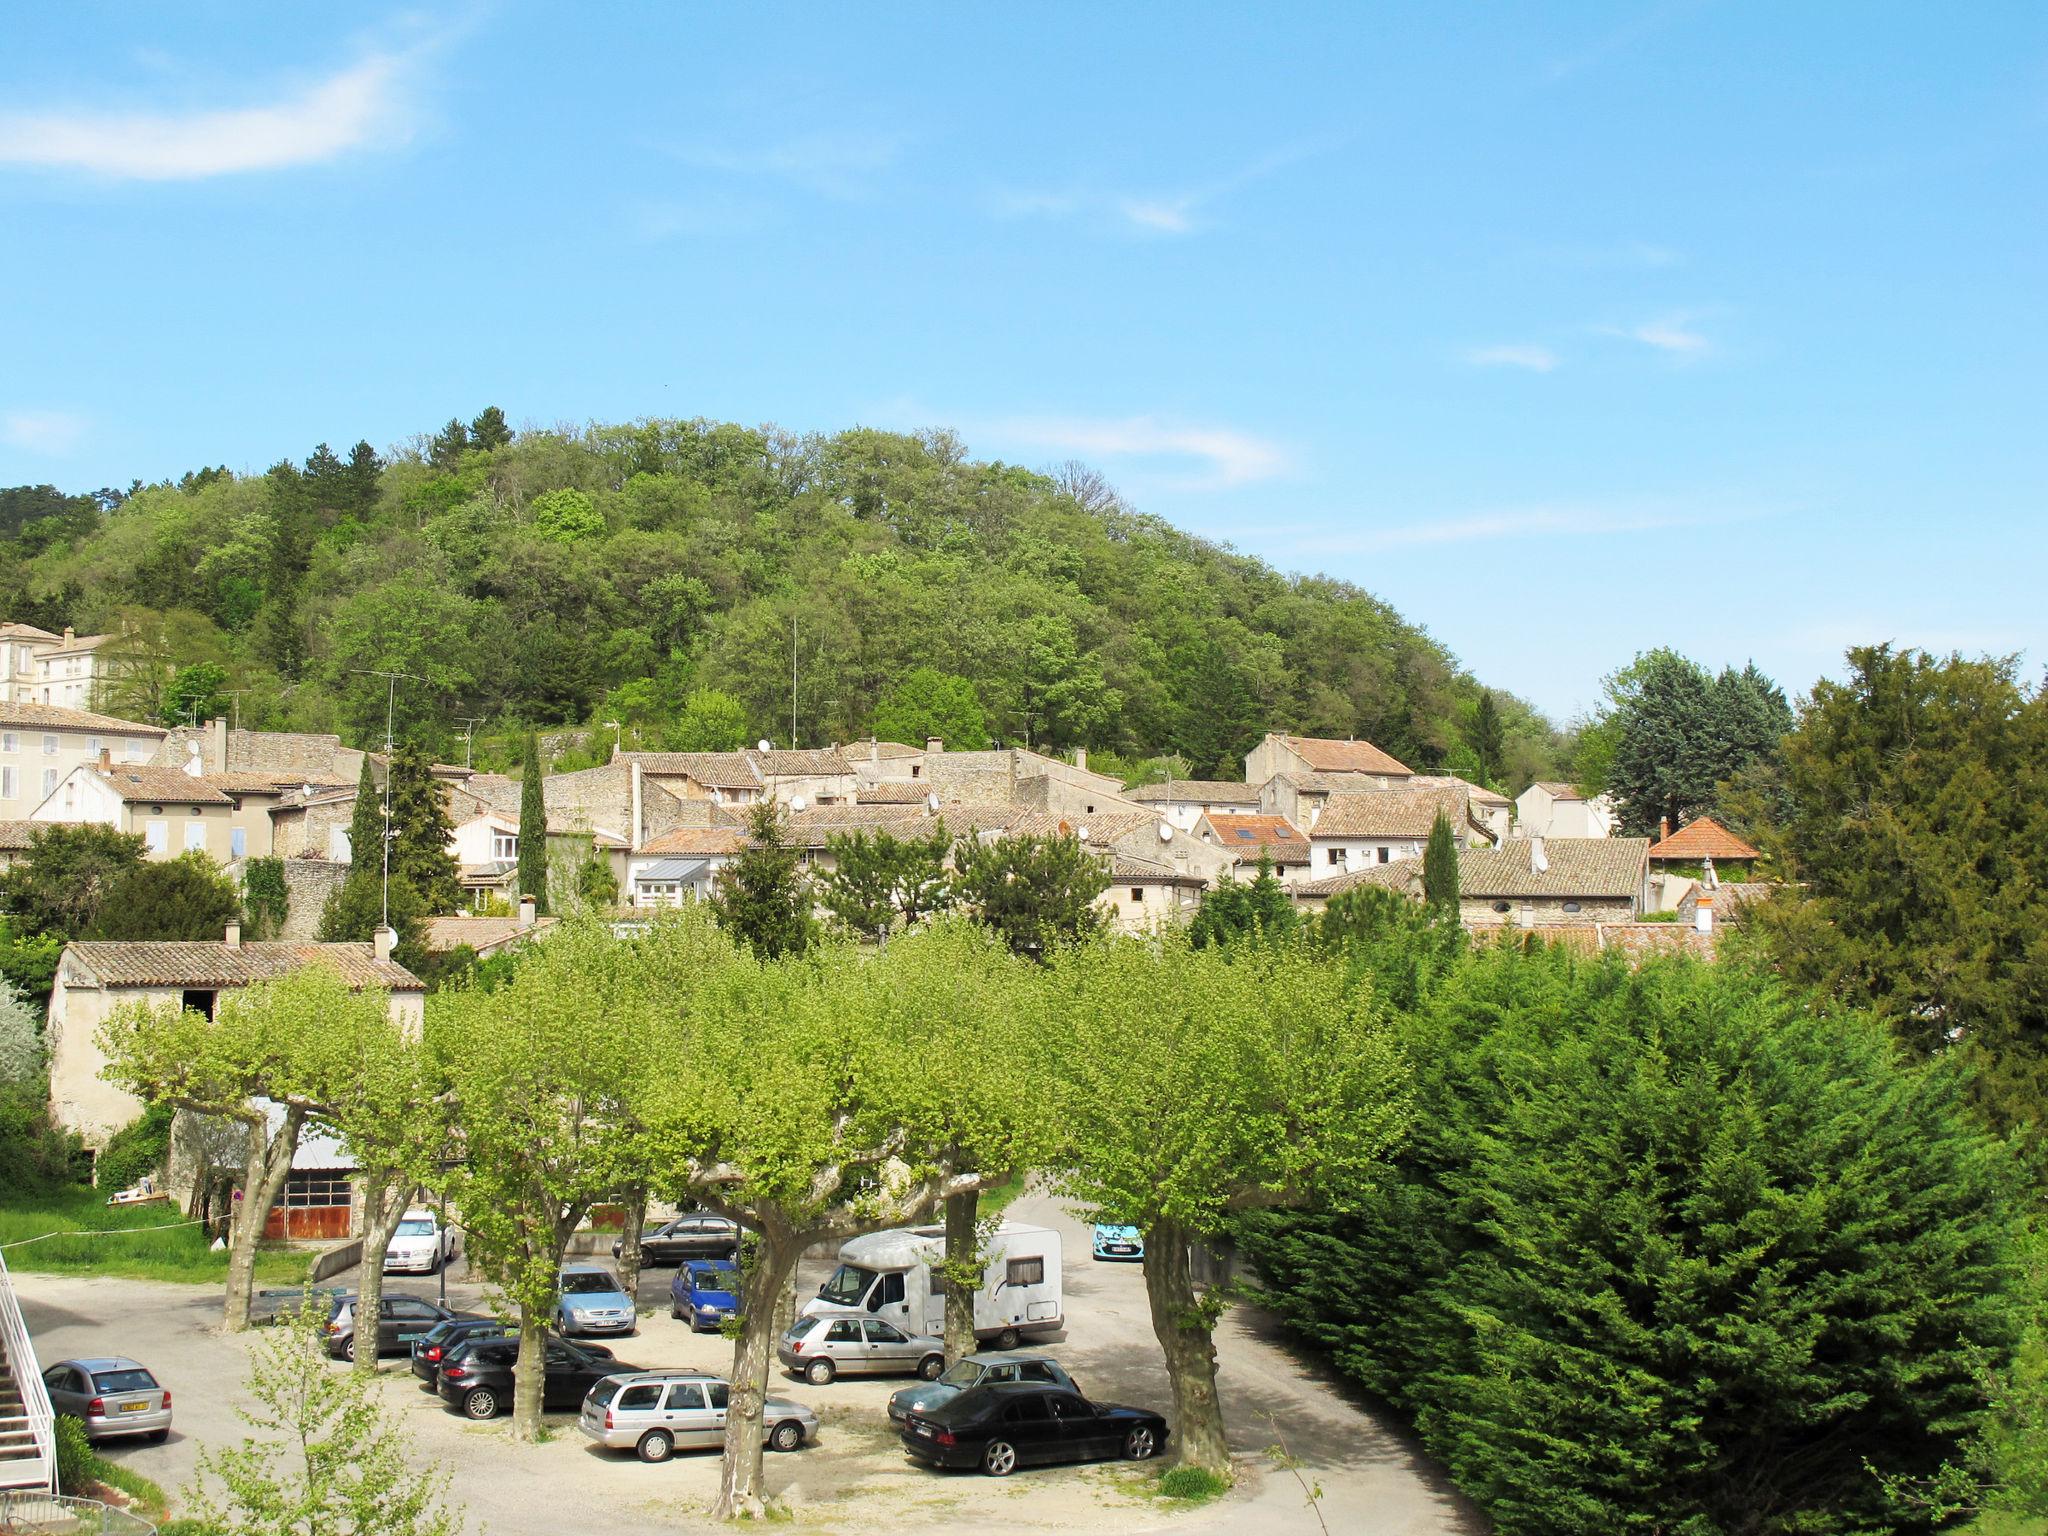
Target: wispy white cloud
1159,212
1225,457
1672,333
54,433
358,107
1514,355
838,162
1546,521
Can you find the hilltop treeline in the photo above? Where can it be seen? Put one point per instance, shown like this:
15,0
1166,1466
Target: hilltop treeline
564,577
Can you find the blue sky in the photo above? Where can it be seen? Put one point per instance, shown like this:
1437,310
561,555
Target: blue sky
1568,330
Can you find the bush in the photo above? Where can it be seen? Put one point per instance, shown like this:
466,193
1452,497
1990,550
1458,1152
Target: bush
1669,1252
135,1150
35,1156
1196,1485
77,1462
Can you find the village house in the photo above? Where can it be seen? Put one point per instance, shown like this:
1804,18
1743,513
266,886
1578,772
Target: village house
1403,877
1493,812
1551,809
41,743
682,863
1387,826
14,841
1700,852
486,936
20,644
1542,881
1186,801
1146,894
1361,763
1003,776
70,672
172,811
1243,839
295,756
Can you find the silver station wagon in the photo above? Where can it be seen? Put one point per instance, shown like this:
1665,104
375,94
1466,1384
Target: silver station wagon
824,1347
656,1413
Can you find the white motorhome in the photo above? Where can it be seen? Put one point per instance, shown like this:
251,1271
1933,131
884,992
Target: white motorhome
889,1275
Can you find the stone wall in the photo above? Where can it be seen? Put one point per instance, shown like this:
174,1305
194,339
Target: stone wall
1545,911
222,750
308,883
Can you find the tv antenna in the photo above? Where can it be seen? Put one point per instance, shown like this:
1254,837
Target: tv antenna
469,735
390,715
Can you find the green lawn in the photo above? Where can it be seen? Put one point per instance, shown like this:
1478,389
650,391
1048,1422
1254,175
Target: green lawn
158,1249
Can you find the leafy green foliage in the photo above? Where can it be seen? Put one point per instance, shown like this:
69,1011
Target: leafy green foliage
137,1149
1667,1250
1487,737
21,1037
29,961
327,1458
1920,843
59,886
566,516
596,884
421,832
183,898
1258,909
877,880
265,896
196,694
711,721
1440,866
533,829
1037,893
761,898
1676,732
928,703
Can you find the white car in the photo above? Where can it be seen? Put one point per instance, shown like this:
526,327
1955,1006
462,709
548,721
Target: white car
420,1246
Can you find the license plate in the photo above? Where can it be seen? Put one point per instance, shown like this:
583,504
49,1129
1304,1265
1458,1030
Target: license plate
925,1430
135,1407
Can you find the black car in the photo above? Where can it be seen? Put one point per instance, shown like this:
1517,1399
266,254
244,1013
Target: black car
457,1349
400,1320
429,1348
479,1379
1002,1428
695,1236
271,1305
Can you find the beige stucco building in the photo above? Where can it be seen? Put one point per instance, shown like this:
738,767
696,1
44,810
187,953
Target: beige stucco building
170,810
41,743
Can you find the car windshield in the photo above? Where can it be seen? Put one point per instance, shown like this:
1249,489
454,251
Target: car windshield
587,1284
848,1284
965,1373
122,1381
415,1229
603,1393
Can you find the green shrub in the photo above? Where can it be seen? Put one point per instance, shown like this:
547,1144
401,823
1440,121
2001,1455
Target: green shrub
1669,1251
1195,1485
77,1463
135,1150
35,1157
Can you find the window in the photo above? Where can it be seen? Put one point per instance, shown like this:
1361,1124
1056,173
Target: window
1571,906
1501,906
881,1333
315,1189
647,1394
9,784
195,836
238,842
156,838
1002,1373
1137,893
844,1331
1026,1410
49,746
49,780
891,1289
1090,811
719,1393
9,742
1066,1406
1386,855
1037,1370
504,845
1025,1272
913,770
92,745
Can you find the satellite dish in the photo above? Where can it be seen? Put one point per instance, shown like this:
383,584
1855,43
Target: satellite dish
1166,831
931,801
764,745
796,803
1083,834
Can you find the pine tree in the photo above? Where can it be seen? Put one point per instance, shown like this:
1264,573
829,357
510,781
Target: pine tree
489,430
1440,867
421,832
1487,738
361,478
449,444
366,826
761,897
1036,892
533,830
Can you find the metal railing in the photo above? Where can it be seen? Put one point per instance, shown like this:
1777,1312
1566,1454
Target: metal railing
31,1514
20,1355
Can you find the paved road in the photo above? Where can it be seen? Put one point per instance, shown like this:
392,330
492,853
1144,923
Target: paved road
855,1479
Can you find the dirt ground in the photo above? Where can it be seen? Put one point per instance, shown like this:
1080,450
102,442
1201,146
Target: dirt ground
854,1477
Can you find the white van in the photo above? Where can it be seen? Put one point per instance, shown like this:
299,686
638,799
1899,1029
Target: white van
889,1275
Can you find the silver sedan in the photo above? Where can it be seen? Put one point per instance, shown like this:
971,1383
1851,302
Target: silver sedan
822,1348
112,1395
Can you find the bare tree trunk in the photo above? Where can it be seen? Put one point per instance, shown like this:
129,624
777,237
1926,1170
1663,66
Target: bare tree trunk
1186,1334
963,1252
629,1242
263,1177
529,1375
740,1490
384,1201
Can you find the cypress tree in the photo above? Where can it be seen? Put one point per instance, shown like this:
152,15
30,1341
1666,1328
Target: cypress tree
1440,867
367,825
533,830
422,833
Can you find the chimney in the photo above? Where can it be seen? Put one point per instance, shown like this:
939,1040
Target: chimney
220,744
874,751
526,911
1081,758
1663,828
637,803
385,939
234,937
106,760
69,634
1703,914
935,744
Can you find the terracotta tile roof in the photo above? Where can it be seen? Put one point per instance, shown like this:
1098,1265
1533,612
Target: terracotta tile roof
702,840
1246,837
53,717
164,786
1703,838
268,781
714,770
79,644
1320,783
1125,870
1403,875
1557,790
1578,866
562,826
482,934
16,834
25,632
1390,813
810,762
1735,895
872,750
1104,826
1195,792
1479,793
896,792
214,965
1327,755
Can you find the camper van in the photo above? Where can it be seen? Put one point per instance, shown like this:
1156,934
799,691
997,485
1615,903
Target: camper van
889,1275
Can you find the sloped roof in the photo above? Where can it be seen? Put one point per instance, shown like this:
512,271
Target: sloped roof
1557,790
1246,837
699,840
1104,826
894,792
811,762
714,770
213,964
672,869
269,781
1399,875
16,834
482,934
54,717
872,750
24,632
1195,792
165,786
1390,813
1124,870
1703,838
77,644
1327,755
1479,793
1578,866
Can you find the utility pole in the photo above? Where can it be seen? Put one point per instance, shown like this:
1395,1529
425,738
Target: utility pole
390,715
792,683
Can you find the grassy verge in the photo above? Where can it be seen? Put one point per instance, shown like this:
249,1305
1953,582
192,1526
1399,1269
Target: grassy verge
146,1242
997,1196
84,1473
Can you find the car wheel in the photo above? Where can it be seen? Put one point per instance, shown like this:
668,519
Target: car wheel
348,1347
675,1311
999,1458
480,1403
819,1373
1140,1444
932,1367
158,1436
788,1436
1009,1338
655,1445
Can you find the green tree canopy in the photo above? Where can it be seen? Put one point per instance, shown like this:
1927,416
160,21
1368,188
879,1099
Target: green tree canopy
878,880
760,897
196,693
421,832
1037,893
928,703
1440,866
59,886
183,898
1679,732
711,721
533,828
1257,909
566,516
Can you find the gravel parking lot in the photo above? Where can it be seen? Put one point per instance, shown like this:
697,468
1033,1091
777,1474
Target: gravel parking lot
855,1477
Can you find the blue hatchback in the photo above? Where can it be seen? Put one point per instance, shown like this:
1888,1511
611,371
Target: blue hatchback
706,1291
1114,1242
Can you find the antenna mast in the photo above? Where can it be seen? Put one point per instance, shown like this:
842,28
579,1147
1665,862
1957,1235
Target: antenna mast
792,683
390,712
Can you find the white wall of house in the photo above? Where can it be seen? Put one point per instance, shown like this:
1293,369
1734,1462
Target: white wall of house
486,840
35,759
1333,856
